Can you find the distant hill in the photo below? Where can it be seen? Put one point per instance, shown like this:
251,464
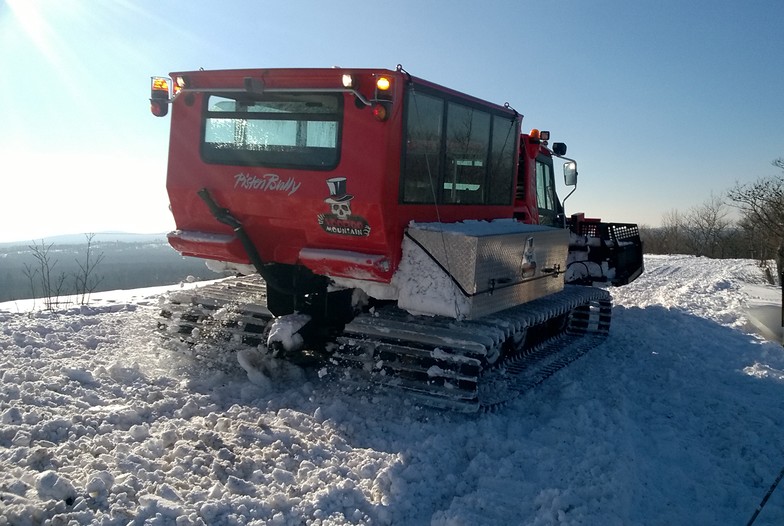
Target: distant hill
79,239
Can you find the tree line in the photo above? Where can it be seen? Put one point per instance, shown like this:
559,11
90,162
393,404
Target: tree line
710,230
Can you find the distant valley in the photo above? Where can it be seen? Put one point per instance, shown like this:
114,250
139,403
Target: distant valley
126,261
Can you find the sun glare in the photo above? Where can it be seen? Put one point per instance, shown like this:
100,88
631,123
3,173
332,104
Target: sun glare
29,16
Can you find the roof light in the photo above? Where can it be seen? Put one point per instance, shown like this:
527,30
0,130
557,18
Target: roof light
160,88
180,83
159,96
383,83
348,81
539,136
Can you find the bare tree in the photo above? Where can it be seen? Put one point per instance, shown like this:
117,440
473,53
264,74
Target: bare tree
653,238
758,244
672,232
31,273
762,204
705,228
51,284
85,280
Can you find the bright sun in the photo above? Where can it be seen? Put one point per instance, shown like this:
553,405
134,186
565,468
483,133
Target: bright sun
29,16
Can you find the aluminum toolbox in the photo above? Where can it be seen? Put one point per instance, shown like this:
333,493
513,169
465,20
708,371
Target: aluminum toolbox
490,266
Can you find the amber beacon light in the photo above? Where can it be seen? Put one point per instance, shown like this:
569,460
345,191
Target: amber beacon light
159,96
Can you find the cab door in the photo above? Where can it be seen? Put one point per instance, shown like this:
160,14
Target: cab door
546,197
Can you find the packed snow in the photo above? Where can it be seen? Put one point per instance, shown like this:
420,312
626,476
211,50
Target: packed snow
676,419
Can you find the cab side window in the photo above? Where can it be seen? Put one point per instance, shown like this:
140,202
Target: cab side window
546,199
467,143
422,163
456,152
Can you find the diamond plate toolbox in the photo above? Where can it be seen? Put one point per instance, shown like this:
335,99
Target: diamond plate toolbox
495,265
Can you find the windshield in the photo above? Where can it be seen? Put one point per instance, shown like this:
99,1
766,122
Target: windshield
286,130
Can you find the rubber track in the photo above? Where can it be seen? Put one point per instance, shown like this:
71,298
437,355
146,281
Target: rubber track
439,361
199,309
451,364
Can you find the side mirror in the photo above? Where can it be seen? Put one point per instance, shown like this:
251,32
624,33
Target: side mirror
570,173
559,148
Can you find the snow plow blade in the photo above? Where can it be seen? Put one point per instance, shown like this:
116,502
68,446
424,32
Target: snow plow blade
466,366
615,248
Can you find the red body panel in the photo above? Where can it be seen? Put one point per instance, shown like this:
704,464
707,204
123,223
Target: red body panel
285,211
525,205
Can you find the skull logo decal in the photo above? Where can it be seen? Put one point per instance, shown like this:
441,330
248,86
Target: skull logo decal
341,219
342,210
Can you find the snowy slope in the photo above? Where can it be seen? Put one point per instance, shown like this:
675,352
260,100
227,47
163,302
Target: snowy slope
676,419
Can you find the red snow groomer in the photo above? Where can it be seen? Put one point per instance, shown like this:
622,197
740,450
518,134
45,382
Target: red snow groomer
408,228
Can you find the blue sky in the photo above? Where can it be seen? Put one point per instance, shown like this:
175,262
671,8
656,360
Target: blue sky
662,103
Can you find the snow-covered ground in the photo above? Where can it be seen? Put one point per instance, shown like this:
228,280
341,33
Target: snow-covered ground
676,419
